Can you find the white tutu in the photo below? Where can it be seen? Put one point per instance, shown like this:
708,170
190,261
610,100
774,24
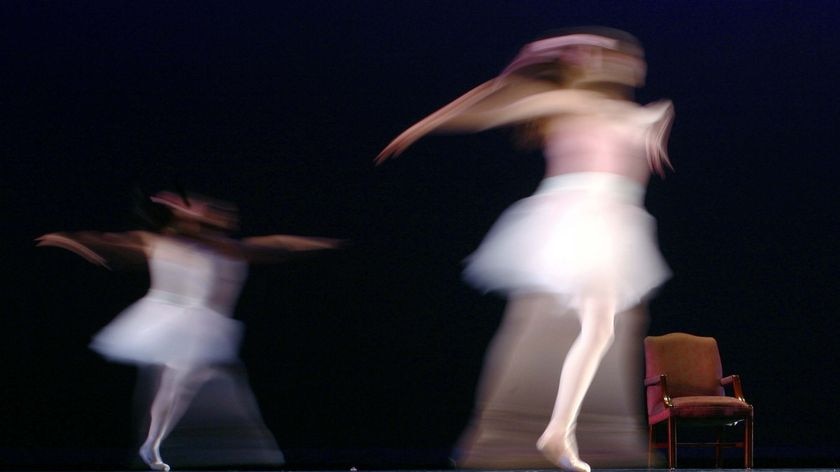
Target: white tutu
580,235
156,331
185,317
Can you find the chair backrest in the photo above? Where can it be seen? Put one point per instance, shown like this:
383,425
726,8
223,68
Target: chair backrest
692,364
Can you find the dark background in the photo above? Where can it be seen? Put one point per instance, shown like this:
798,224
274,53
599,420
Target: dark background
369,356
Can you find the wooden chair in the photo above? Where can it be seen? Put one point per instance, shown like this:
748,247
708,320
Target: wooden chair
684,383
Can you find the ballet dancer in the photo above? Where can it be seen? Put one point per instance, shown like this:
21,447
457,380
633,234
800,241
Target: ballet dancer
584,236
183,325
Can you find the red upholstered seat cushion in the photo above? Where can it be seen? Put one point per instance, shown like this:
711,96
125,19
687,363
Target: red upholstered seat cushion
700,407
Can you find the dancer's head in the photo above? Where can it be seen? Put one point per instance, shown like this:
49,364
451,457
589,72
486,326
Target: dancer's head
583,57
197,213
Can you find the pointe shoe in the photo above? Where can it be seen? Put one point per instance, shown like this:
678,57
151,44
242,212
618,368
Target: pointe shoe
152,458
562,453
159,465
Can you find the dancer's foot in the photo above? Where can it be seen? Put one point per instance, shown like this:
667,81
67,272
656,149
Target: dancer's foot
151,456
562,451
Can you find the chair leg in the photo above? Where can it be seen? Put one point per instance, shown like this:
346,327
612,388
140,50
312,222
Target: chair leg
748,442
718,434
672,443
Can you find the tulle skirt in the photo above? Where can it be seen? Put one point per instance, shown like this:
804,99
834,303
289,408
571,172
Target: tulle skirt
579,236
158,329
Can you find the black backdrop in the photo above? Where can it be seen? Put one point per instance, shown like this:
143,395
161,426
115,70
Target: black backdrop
369,356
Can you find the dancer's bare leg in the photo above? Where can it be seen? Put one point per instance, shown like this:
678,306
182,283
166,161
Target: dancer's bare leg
558,442
177,388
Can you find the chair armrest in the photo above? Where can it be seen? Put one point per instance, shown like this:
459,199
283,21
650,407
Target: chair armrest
735,381
655,380
662,381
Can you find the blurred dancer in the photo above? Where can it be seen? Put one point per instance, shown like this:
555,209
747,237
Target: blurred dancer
584,237
184,323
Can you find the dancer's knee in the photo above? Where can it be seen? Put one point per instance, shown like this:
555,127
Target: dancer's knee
598,323
601,335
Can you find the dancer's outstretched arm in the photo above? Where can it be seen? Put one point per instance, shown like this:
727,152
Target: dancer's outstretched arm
276,247
494,104
100,248
436,120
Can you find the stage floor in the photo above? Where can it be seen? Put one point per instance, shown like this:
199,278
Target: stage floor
789,469
827,469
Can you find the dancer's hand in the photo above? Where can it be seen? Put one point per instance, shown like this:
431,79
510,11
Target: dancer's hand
402,142
65,242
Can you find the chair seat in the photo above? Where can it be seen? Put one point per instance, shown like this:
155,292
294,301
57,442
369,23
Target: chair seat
701,407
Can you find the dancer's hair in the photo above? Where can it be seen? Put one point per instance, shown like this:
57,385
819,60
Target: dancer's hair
548,59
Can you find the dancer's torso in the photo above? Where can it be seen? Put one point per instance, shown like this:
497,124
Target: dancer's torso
186,272
596,143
